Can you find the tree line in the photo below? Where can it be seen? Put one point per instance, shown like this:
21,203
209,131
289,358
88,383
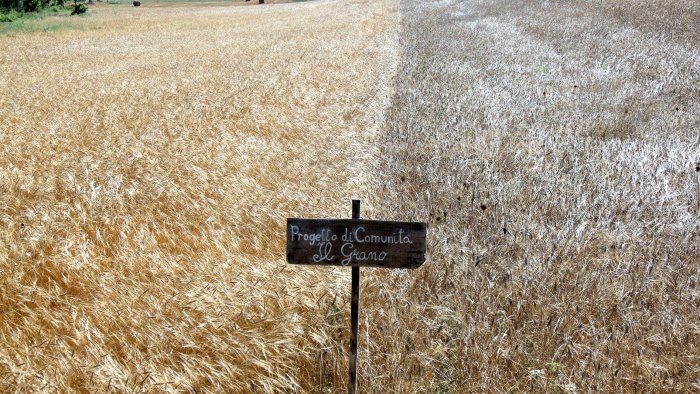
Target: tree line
28,5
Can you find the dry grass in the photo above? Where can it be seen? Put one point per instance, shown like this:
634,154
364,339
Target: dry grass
148,160
552,146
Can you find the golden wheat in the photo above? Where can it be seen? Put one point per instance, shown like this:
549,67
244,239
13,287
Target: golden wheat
148,160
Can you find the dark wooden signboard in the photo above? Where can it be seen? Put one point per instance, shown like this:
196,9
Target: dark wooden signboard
356,243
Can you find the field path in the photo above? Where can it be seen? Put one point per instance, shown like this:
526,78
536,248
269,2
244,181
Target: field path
148,159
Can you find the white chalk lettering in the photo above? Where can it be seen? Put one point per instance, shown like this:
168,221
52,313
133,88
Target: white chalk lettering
359,235
324,252
347,236
324,235
351,254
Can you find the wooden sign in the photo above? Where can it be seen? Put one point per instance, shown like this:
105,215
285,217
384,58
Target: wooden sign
356,243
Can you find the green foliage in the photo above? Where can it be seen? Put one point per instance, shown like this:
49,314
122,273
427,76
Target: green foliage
10,16
10,10
11,5
79,8
12,22
32,5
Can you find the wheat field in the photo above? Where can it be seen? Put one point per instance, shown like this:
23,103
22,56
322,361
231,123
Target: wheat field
149,158
554,149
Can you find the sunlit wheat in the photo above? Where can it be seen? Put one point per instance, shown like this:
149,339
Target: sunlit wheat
148,161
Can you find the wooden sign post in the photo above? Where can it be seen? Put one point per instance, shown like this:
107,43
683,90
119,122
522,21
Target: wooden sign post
355,243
